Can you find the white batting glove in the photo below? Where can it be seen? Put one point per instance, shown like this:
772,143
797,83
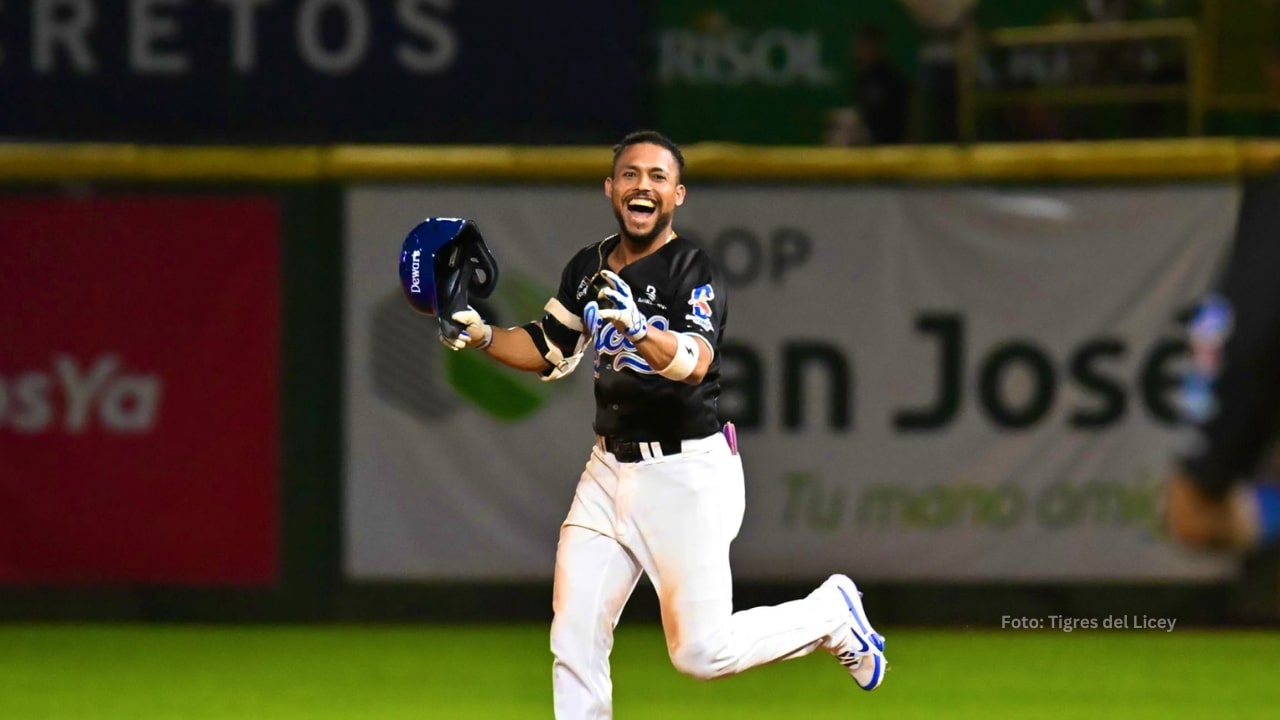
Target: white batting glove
476,333
625,315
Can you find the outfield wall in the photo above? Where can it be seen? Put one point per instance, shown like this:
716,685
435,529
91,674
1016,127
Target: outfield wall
914,232
939,384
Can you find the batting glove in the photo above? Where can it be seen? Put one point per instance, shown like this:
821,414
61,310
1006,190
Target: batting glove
476,332
624,314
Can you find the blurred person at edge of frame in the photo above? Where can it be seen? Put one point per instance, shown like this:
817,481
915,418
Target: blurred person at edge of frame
879,96
845,128
880,91
942,24
1223,489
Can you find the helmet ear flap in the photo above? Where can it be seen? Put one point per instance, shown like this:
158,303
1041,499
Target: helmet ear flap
465,268
483,271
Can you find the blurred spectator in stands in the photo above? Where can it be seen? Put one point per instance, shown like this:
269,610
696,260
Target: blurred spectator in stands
845,128
942,24
1108,63
1161,61
1107,10
881,92
1111,64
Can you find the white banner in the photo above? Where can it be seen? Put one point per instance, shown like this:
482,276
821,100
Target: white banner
940,383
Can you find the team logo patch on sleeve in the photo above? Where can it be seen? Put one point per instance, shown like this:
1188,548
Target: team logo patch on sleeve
700,307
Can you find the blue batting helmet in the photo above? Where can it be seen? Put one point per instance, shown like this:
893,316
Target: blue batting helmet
443,262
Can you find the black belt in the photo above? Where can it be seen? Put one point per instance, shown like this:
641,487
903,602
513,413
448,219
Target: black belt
629,451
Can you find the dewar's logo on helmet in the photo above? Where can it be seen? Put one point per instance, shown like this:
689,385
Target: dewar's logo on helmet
415,284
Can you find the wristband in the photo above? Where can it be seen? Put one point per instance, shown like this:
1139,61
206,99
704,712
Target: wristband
685,361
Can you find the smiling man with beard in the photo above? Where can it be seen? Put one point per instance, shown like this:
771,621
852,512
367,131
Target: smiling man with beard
662,492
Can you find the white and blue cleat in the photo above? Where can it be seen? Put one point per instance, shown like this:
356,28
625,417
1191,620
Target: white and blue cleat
858,647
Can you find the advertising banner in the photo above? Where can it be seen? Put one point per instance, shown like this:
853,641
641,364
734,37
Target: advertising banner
929,383
139,360
765,73
316,71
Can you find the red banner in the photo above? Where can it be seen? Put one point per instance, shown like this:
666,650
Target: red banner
139,363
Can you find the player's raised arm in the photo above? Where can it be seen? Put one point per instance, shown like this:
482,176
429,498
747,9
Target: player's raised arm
512,347
551,346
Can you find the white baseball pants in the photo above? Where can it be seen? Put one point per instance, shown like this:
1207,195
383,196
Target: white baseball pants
673,518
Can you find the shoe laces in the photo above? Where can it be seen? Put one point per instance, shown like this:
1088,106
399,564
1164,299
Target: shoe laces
850,659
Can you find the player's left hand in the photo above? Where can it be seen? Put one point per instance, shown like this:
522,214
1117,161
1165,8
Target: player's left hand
624,314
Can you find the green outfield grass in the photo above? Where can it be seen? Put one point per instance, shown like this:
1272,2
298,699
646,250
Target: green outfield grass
497,672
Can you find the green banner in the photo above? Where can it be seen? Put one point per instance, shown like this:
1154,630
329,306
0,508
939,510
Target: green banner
760,72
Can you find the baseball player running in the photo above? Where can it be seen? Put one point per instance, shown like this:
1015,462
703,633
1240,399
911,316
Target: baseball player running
662,492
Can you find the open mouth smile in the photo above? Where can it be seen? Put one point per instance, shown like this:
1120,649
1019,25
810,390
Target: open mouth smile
641,209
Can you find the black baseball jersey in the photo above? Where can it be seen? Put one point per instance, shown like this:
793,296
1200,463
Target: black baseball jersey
678,288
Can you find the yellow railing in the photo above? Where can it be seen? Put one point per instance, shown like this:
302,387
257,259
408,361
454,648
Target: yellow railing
1157,160
973,98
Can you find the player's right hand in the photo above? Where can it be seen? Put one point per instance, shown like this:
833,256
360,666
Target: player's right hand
623,313
476,332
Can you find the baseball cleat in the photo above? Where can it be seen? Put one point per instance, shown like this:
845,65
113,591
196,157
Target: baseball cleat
858,647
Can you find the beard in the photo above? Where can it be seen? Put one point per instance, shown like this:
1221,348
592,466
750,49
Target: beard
662,224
